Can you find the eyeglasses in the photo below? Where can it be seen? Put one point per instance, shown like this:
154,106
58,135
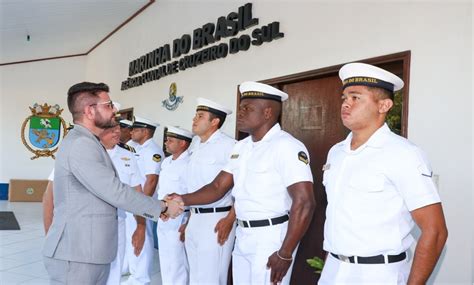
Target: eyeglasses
109,104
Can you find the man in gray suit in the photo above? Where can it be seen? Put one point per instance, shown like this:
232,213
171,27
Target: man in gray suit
82,240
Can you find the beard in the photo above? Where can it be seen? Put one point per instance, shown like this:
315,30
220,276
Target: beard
104,123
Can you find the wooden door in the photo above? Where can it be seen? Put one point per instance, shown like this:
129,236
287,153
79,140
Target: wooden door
312,115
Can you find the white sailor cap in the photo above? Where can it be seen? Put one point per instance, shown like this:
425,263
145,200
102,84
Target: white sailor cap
212,107
256,90
368,75
179,133
140,122
126,124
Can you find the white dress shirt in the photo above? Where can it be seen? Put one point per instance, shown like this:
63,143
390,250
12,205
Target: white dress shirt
371,191
207,160
263,171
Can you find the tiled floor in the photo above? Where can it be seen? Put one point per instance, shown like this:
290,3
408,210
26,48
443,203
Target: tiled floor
21,261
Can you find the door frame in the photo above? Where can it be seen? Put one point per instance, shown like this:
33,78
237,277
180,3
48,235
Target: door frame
404,57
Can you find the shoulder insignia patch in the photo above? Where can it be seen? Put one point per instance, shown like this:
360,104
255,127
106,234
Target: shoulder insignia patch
234,156
302,156
156,158
126,146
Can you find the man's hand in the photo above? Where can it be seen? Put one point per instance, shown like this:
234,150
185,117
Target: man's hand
164,217
224,227
182,230
175,207
278,265
138,239
174,196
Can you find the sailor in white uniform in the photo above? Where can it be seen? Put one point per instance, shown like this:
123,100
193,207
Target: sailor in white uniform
124,162
378,186
210,232
272,186
173,260
149,157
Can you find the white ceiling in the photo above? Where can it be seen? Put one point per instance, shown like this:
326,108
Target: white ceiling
58,27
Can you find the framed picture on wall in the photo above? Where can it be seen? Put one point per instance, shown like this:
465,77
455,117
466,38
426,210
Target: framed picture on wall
126,114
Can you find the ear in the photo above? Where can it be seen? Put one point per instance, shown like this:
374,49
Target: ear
267,112
215,122
89,112
385,105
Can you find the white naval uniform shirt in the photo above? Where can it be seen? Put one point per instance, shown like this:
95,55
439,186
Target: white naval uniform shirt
173,175
149,157
174,268
127,169
262,172
371,191
207,160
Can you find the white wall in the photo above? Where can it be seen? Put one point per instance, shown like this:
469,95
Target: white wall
23,85
317,34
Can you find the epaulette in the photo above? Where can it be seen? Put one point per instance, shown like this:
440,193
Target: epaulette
126,146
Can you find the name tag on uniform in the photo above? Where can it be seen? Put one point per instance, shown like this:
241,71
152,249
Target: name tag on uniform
234,156
326,167
125,158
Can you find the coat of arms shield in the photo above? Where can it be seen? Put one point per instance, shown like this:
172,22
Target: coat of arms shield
41,132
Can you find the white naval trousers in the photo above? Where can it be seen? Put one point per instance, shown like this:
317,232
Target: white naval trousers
115,273
253,247
140,267
339,272
208,260
173,260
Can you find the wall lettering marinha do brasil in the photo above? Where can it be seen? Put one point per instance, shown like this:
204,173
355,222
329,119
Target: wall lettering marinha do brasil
173,58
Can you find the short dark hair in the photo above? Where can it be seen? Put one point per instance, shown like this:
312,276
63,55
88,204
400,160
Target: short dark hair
83,90
381,93
213,116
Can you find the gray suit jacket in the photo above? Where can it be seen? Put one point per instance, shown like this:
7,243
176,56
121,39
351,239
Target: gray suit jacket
87,192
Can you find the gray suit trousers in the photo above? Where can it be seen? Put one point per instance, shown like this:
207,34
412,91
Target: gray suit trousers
72,273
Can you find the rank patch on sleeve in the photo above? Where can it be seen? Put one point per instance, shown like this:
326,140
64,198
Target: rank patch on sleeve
303,157
156,158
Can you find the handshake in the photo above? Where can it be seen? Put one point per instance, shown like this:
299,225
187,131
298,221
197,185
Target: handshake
172,206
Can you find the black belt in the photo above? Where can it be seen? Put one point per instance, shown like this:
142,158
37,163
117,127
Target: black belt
210,210
376,259
263,223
